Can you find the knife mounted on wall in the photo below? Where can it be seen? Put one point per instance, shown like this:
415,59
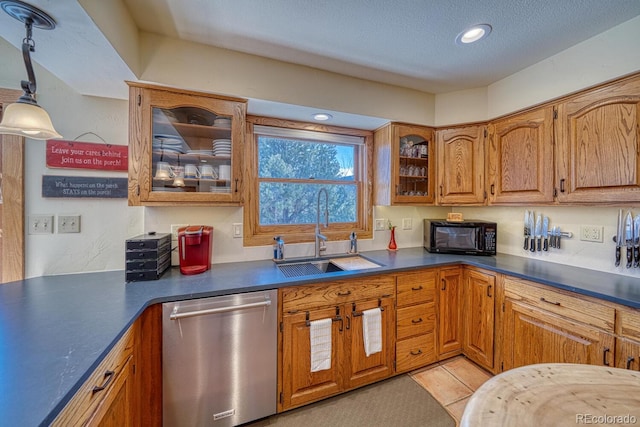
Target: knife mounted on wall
628,233
619,234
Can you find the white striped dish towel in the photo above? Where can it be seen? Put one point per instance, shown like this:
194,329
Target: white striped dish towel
320,335
372,331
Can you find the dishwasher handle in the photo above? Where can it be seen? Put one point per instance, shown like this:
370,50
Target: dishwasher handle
176,316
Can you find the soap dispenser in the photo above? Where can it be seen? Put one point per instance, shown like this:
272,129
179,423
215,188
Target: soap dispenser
278,248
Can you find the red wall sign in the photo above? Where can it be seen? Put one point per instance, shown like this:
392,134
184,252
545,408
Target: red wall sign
86,155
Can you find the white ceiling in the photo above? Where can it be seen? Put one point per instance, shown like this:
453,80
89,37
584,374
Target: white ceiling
408,43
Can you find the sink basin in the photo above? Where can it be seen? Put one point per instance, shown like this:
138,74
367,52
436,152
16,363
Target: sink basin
313,266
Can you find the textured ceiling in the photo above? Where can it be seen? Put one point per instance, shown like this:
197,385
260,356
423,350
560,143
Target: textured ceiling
403,42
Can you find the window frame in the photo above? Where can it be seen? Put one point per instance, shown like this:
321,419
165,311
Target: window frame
261,235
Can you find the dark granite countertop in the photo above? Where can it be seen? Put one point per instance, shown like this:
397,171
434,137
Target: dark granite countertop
55,330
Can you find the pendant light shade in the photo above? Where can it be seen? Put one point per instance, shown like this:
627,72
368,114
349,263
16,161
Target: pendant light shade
29,120
25,117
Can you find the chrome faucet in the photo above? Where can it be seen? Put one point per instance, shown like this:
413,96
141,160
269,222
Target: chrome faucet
321,238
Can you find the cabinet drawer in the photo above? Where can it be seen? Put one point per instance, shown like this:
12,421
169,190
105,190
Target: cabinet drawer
415,352
93,392
629,323
416,320
416,287
296,298
571,306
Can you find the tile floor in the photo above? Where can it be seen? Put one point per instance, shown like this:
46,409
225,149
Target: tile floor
452,382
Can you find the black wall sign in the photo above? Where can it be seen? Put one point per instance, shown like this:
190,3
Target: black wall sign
84,187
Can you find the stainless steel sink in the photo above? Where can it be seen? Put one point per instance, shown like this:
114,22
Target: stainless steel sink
315,266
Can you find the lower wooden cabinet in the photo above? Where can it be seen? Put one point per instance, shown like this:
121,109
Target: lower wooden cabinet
532,335
350,366
628,340
545,325
479,304
627,354
416,319
450,312
107,397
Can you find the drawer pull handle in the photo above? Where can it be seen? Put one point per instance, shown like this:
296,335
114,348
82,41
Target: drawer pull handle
444,285
108,378
630,360
415,321
416,352
344,294
543,299
605,362
489,291
419,288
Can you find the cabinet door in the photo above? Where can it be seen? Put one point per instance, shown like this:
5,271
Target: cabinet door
115,410
520,154
361,369
299,384
404,170
479,305
534,336
461,177
184,147
450,312
598,145
627,354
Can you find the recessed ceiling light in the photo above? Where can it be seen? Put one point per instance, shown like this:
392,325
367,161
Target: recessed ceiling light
473,34
322,117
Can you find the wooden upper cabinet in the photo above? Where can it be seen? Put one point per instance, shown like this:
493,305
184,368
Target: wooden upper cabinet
598,151
461,175
185,147
520,158
404,173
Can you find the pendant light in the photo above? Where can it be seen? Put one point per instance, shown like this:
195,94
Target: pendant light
25,117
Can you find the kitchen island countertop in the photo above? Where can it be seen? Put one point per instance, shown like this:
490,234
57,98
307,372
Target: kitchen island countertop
55,330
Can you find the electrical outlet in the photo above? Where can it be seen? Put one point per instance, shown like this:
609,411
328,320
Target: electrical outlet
381,224
174,230
237,230
40,224
591,233
407,223
68,223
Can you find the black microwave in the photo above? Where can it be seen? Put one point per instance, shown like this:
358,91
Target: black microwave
460,237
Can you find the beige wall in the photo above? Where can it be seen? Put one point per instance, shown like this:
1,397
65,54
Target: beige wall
107,223
201,67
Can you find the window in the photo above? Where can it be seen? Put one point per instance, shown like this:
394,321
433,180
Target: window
291,165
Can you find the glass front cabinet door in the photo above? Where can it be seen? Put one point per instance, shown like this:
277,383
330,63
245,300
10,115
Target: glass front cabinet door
184,147
405,173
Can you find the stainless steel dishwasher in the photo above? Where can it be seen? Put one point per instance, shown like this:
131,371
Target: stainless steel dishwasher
219,359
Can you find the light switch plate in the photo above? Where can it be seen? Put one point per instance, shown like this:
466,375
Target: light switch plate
407,223
381,224
40,224
237,230
68,223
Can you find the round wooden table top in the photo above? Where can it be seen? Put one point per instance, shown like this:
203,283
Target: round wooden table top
556,394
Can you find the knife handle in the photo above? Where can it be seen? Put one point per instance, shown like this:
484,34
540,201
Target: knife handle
545,247
526,242
539,244
636,256
533,244
558,241
629,256
618,255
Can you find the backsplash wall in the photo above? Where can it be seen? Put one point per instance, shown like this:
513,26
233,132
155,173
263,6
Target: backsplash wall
591,255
